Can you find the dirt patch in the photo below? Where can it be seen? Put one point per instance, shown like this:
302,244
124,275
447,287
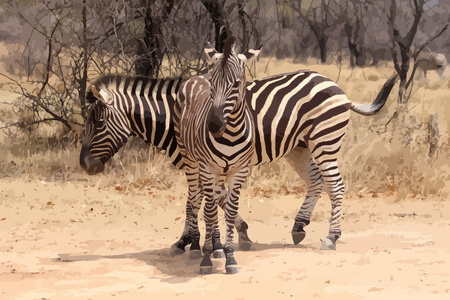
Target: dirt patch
71,241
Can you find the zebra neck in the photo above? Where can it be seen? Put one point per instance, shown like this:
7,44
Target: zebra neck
149,109
238,113
237,121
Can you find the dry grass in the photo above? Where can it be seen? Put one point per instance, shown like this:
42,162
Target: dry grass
375,158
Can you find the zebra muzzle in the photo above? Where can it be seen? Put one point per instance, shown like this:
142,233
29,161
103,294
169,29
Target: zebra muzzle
91,164
216,125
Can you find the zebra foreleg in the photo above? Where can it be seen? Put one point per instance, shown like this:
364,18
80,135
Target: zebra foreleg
231,210
191,234
210,215
241,226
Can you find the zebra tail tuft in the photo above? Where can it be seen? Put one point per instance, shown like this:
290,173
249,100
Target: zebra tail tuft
377,105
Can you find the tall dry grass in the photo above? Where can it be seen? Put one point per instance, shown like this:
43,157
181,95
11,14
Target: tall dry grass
378,155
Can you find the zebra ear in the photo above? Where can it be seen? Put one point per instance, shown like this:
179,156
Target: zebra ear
103,96
250,55
212,54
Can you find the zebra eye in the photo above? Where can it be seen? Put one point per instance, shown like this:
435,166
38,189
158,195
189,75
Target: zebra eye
236,83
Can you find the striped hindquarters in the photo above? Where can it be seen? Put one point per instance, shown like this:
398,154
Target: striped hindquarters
296,109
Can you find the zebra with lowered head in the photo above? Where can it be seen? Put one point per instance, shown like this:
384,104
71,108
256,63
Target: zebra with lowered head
215,134
121,106
124,106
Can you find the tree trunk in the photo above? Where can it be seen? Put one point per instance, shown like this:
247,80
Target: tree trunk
149,51
215,9
356,52
403,43
318,30
82,82
244,27
323,48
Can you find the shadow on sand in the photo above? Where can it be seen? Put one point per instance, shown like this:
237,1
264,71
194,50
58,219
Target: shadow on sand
179,268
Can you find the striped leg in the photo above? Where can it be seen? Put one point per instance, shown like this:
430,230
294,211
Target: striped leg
241,226
335,188
210,215
231,210
191,234
301,161
324,145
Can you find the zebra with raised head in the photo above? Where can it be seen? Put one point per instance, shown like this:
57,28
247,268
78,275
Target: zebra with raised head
215,134
301,110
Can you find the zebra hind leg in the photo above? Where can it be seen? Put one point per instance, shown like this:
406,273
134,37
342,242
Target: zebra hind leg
245,243
335,188
315,187
300,159
221,195
178,247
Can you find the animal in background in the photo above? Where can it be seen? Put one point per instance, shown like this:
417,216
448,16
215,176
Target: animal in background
427,61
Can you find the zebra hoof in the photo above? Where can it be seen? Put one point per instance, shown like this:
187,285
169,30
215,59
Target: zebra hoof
245,245
297,237
244,241
328,244
195,254
218,253
206,265
231,263
175,250
231,269
205,270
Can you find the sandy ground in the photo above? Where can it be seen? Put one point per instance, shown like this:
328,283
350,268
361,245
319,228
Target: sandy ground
75,241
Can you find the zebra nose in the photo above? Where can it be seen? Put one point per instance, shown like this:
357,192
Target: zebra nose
216,125
92,165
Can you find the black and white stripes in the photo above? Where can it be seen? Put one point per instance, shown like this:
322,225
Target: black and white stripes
121,106
215,132
301,116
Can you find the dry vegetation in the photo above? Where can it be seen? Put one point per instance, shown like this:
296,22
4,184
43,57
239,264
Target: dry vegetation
380,154
67,235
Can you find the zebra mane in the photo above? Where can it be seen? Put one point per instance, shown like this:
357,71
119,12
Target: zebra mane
227,49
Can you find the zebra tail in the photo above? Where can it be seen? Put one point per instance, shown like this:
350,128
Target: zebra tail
377,105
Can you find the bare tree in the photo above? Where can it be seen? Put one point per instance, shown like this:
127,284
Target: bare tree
215,10
47,96
401,48
354,28
402,39
58,72
319,16
150,53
